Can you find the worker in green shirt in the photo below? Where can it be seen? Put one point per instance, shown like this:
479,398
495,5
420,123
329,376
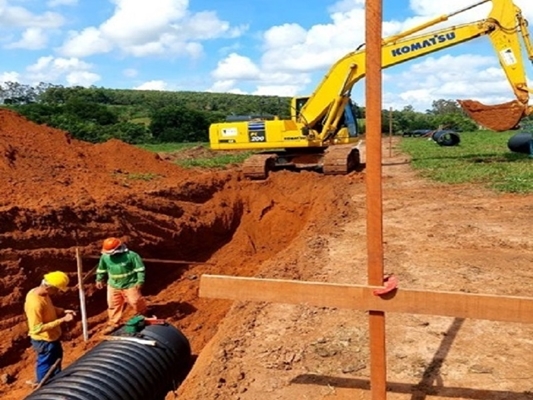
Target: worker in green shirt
125,273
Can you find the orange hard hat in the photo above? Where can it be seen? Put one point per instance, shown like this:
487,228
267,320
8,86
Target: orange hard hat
110,245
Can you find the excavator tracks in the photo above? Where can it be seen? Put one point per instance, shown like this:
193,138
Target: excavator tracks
340,159
258,166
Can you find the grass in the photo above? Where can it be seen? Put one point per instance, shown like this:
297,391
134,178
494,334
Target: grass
481,157
169,147
220,161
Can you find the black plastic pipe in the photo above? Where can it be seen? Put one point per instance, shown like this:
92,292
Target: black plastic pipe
446,138
124,370
521,143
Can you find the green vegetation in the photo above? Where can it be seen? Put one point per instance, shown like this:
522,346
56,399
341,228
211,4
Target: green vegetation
482,157
169,147
143,116
221,161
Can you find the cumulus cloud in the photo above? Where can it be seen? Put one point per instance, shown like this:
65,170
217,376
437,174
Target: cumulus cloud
153,85
138,28
9,76
32,39
15,16
72,71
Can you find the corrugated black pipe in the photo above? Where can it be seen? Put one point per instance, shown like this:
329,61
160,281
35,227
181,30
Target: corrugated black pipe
121,370
446,138
520,143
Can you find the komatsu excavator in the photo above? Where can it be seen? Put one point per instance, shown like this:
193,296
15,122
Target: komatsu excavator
322,132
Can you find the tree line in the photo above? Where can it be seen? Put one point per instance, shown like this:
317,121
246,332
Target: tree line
140,116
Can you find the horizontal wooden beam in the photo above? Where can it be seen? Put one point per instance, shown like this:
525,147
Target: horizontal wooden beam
358,297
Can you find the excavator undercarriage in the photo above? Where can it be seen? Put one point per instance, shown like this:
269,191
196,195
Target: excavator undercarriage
334,160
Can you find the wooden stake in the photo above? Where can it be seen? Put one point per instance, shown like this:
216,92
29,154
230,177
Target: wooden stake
84,323
374,197
50,371
390,132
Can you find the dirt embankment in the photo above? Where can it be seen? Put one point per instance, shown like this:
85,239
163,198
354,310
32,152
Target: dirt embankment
60,193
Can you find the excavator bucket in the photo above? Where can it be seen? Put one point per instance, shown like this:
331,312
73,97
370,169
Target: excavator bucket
498,117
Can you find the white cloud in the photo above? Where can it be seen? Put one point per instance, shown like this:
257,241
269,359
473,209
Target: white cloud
57,3
82,78
235,66
89,41
153,85
32,39
141,29
9,77
72,70
16,16
276,90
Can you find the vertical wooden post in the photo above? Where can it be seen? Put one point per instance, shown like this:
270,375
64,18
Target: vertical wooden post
390,132
82,296
374,200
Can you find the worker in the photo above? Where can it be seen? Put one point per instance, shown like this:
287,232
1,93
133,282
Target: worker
44,322
125,277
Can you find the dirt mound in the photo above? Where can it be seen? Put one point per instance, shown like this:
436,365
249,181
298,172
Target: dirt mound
42,166
499,117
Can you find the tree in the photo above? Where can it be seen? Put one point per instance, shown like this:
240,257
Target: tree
179,124
442,106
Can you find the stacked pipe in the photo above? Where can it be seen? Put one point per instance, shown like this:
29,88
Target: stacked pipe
124,370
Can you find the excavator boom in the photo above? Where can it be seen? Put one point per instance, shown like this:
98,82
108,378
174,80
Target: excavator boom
505,28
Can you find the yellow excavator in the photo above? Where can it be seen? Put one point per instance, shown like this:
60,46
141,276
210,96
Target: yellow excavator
322,132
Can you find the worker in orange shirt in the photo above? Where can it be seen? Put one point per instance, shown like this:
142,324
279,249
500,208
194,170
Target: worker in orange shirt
44,321
125,273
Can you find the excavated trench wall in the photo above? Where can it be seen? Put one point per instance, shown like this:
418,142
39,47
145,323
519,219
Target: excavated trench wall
61,193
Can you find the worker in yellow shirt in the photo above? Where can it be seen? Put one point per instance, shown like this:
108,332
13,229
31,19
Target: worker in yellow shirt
44,321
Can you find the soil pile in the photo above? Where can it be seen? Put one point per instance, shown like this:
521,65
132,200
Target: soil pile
41,166
499,117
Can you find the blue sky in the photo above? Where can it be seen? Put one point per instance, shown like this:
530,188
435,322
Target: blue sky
241,46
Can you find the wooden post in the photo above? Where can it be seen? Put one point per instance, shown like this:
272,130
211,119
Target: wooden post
390,132
48,374
374,197
82,296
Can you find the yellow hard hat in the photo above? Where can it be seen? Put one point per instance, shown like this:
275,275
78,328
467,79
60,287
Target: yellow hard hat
57,279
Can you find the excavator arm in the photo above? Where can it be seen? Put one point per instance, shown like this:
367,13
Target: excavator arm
506,29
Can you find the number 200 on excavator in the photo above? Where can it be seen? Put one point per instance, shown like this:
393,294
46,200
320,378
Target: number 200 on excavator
322,132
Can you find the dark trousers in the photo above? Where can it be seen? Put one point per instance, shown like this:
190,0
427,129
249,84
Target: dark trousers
47,354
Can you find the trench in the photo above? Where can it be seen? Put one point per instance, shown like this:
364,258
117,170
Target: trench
225,225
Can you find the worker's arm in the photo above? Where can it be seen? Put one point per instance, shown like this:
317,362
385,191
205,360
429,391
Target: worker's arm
138,268
34,313
101,270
